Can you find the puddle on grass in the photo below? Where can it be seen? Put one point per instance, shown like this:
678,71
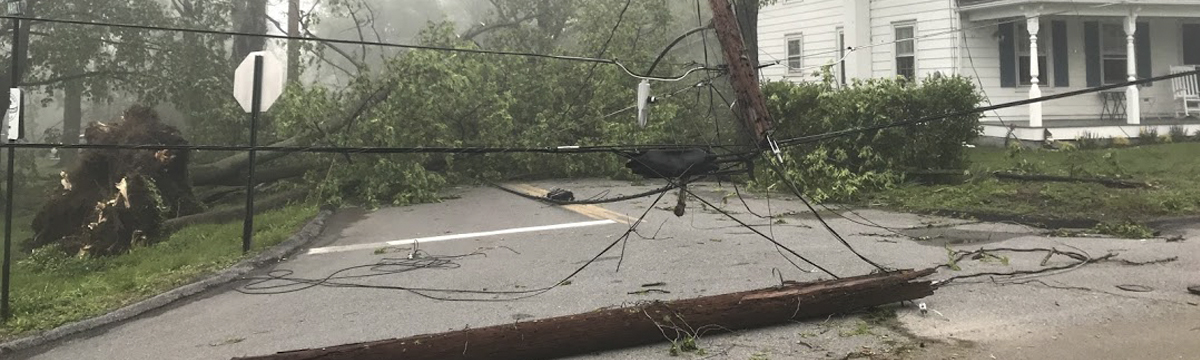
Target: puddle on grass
941,236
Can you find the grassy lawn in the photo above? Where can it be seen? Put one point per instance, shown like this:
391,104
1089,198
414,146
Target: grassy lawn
1173,169
49,291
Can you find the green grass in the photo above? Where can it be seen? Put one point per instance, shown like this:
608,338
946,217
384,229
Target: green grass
1174,169
51,290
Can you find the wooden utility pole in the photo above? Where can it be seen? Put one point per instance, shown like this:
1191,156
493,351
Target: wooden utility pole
743,75
637,325
293,50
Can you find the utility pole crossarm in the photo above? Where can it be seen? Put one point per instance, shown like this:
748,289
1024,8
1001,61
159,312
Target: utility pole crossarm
742,72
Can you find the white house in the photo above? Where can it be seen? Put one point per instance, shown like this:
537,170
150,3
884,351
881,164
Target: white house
1017,49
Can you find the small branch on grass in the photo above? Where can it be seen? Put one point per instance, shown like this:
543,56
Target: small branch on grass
1113,183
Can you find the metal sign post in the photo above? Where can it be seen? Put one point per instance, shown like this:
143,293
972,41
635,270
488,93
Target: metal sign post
15,120
255,108
261,74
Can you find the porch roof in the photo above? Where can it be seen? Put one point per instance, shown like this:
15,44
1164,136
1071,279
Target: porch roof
976,10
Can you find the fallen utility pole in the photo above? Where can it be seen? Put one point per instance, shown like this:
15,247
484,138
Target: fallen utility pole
743,75
637,325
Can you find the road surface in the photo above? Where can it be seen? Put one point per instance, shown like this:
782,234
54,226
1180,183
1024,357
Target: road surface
528,245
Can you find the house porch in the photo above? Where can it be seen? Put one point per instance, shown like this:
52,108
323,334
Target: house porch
1025,49
1072,129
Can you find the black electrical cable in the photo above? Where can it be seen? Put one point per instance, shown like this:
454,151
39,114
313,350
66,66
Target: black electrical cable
351,42
386,266
256,286
663,53
585,202
740,222
376,150
595,200
737,190
796,190
765,236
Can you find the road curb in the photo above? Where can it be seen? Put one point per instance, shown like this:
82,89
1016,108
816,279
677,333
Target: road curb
306,235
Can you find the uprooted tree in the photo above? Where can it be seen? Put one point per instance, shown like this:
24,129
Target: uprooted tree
113,199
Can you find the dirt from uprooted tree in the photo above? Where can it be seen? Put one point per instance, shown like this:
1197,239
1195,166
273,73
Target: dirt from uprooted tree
112,200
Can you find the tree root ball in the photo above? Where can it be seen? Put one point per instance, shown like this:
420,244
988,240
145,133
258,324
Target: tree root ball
112,200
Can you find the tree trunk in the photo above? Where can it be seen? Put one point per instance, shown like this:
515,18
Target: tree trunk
232,213
250,16
72,120
293,61
637,325
747,17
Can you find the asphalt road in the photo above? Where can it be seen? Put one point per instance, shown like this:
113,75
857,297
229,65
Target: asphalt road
528,245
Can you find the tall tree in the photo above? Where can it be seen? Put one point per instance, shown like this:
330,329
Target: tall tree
93,60
250,16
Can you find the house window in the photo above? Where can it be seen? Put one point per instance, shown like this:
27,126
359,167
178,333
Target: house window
1114,56
906,50
795,61
841,63
1191,44
1024,71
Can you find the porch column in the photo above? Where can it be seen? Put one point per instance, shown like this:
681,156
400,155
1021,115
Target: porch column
1032,23
856,25
1133,108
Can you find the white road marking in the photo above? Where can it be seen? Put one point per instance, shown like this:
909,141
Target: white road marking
333,249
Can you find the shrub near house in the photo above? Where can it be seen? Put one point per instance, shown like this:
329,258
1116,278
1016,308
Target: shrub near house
843,167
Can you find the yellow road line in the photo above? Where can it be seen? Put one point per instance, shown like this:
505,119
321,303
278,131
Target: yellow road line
591,211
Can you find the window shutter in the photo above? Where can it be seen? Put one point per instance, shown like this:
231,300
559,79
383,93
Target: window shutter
1062,68
1008,56
1091,52
1141,39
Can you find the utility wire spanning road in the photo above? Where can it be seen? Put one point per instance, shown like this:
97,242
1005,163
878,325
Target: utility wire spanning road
529,245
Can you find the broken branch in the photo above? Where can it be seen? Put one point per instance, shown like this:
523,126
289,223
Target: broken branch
1114,183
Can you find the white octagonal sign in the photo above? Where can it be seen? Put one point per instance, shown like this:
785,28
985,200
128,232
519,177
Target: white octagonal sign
273,80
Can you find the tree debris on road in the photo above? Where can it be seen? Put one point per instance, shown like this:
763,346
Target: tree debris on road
638,325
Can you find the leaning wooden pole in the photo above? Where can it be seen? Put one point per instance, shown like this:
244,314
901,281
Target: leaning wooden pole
637,325
743,76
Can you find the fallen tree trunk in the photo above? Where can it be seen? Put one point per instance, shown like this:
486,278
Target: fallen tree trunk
1114,183
638,325
263,176
229,167
212,195
234,212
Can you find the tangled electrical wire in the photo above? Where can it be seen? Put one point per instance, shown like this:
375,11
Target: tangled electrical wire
282,281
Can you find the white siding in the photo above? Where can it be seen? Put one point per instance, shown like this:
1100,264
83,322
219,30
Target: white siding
941,47
816,20
935,42
984,50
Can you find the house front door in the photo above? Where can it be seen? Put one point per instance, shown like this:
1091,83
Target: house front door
1191,44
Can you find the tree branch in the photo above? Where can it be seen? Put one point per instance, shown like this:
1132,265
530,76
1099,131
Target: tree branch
308,34
358,25
85,75
480,30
